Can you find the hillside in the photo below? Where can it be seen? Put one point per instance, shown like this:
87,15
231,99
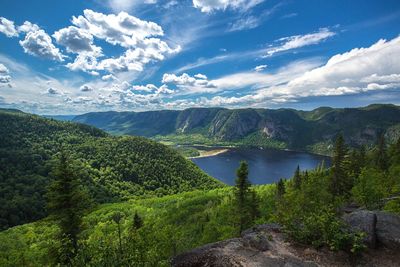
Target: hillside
303,130
111,168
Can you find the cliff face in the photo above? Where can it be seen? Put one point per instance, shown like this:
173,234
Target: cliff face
298,129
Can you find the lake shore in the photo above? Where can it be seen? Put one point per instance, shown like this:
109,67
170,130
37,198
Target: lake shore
210,153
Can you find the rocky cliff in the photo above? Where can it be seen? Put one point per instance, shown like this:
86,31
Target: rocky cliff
297,129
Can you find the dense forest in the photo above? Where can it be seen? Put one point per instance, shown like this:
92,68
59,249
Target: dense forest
148,232
111,168
312,130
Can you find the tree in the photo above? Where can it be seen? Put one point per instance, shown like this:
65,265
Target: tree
117,217
280,188
67,202
339,183
381,157
297,178
242,192
137,221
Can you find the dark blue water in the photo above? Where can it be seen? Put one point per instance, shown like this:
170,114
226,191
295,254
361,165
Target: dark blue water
265,165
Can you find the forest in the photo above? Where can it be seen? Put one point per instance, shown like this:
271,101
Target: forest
148,231
111,168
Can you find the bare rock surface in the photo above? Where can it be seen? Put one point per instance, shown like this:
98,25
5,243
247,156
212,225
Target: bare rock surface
265,245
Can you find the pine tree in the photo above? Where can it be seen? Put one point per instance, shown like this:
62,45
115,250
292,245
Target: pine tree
254,205
137,221
242,191
381,157
280,188
66,203
339,184
117,217
297,178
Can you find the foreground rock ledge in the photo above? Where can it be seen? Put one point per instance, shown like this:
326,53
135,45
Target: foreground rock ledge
266,245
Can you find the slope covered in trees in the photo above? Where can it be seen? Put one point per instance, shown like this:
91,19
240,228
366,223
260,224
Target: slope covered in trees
111,168
281,128
148,232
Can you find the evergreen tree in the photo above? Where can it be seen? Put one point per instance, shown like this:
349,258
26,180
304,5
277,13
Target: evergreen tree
381,157
339,183
67,203
242,192
254,205
297,178
137,221
117,217
280,188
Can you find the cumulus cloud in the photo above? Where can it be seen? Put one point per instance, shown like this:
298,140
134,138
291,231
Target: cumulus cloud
4,77
297,41
139,38
8,28
260,68
86,88
38,43
76,40
208,6
185,81
357,71
28,27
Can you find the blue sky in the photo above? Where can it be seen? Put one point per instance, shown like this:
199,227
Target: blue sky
70,57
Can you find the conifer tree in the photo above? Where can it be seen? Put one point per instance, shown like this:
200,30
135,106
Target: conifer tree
242,192
67,202
381,157
137,221
297,178
280,188
339,183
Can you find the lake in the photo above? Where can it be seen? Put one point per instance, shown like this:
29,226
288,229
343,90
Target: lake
265,165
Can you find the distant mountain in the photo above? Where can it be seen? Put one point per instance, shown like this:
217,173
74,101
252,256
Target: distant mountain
295,129
111,168
60,117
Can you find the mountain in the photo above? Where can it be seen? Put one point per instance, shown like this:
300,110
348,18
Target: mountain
60,117
295,129
111,168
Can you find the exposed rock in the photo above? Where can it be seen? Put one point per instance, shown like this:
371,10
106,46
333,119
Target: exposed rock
260,246
265,246
364,221
388,229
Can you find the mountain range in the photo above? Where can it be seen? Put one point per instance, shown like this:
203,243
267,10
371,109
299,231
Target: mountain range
284,128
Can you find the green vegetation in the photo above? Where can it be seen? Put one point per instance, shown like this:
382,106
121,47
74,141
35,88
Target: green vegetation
111,168
159,218
311,131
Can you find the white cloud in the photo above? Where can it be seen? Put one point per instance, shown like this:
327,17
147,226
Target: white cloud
28,27
189,84
38,43
208,6
260,68
357,71
138,37
76,40
245,23
297,41
8,28
4,77
108,77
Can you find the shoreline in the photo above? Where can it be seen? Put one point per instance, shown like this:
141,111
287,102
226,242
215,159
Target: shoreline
210,153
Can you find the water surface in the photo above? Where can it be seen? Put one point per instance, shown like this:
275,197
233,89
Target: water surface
265,165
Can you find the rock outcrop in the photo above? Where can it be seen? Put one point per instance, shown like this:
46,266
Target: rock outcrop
381,228
265,245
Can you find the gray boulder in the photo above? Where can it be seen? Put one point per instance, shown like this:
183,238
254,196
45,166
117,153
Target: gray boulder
388,229
364,221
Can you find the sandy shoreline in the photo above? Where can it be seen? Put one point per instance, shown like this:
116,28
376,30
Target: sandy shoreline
210,153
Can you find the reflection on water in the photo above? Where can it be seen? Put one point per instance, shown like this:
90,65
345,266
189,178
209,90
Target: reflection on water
265,165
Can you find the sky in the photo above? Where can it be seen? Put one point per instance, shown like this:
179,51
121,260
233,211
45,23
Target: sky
72,57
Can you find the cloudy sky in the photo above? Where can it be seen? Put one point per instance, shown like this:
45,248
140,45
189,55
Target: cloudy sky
70,57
